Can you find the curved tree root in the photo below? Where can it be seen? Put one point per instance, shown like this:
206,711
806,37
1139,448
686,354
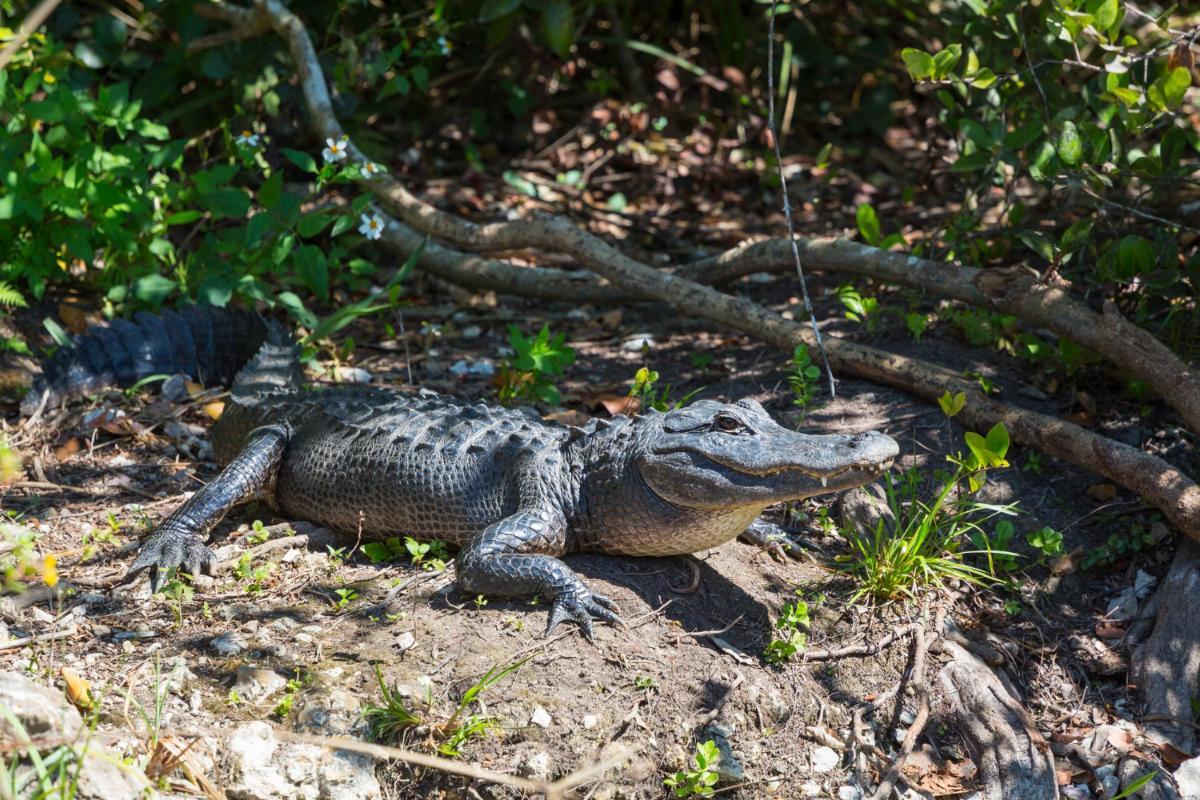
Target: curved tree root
1160,484
1013,758
1166,668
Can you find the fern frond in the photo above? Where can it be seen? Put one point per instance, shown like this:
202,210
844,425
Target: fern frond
10,296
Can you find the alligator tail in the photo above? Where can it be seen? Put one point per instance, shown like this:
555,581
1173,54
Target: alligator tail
207,343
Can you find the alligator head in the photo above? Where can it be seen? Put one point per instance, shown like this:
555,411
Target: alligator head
713,455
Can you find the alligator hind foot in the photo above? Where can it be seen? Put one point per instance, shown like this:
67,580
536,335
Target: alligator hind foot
509,559
179,541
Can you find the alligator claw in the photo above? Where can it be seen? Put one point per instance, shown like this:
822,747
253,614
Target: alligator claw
579,607
778,541
169,550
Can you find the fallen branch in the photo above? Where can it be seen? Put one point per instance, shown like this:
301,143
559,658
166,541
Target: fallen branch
921,684
1159,483
61,633
1166,668
1013,758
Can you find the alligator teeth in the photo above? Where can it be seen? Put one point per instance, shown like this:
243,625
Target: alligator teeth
824,481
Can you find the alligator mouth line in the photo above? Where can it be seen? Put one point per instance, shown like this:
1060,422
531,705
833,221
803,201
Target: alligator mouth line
872,469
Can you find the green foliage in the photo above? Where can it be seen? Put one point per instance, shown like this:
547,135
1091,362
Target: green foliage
871,231
702,777
858,307
789,639
430,556
283,708
952,404
386,722
642,389
1118,546
18,558
928,544
1082,98
346,596
803,376
1047,541
530,373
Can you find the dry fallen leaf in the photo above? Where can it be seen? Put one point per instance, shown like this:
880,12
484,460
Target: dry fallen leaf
214,408
67,449
74,319
79,690
1102,491
615,404
569,417
114,421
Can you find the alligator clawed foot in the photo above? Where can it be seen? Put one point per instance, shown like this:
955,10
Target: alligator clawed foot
580,607
171,550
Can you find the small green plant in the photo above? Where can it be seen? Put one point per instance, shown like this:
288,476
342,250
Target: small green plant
995,547
1046,541
859,308
284,707
474,724
179,594
1118,546
346,596
701,360
233,698
390,549
338,555
430,556
802,376
871,231
642,390
534,366
702,777
916,324
927,545
480,601
643,682
258,533
471,727
386,722
951,404
790,636
256,577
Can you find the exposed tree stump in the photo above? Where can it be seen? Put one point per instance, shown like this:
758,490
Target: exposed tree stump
1166,668
1013,758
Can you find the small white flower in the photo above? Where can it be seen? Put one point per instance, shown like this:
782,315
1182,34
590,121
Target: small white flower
443,46
248,138
372,226
335,149
370,169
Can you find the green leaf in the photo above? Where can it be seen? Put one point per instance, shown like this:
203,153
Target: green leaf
971,162
295,306
918,62
1166,93
946,60
228,202
494,9
983,79
1070,146
183,217
1076,236
952,404
522,185
312,224
1039,243
269,192
313,270
302,160
1127,97
153,289
343,223
868,225
558,26
997,439
1104,13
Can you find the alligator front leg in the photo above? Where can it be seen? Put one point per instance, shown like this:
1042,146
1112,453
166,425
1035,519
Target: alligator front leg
179,540
776,539
510,559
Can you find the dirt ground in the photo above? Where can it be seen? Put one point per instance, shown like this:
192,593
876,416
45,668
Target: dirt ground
690,663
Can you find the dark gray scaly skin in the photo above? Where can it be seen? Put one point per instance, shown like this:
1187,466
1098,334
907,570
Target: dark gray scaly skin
512,491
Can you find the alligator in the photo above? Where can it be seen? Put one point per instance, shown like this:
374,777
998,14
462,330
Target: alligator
512,491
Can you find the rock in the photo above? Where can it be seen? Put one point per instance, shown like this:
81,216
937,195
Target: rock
174,389
1123,607
589,721
481,368
330,711
405,641
825,759
1076,791
810,789
638,342
353,375
260,767
729,768
1106,776
228,644
849,792
863,508
1143,584
540,717
256,684
42,711
1187,777
532,761
45,713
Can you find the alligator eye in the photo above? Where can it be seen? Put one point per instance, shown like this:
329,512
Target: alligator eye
728,423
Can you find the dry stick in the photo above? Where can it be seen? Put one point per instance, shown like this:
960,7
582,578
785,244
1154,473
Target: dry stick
1164,486
62,633
863,649
787,204
921,647
30,24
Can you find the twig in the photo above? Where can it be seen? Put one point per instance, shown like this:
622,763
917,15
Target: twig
62,633
787,205
30,24
863,649
714,712
919,681
270,546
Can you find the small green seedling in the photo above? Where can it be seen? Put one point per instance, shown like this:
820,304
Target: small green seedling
802,376
700,780
535,364
789,639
